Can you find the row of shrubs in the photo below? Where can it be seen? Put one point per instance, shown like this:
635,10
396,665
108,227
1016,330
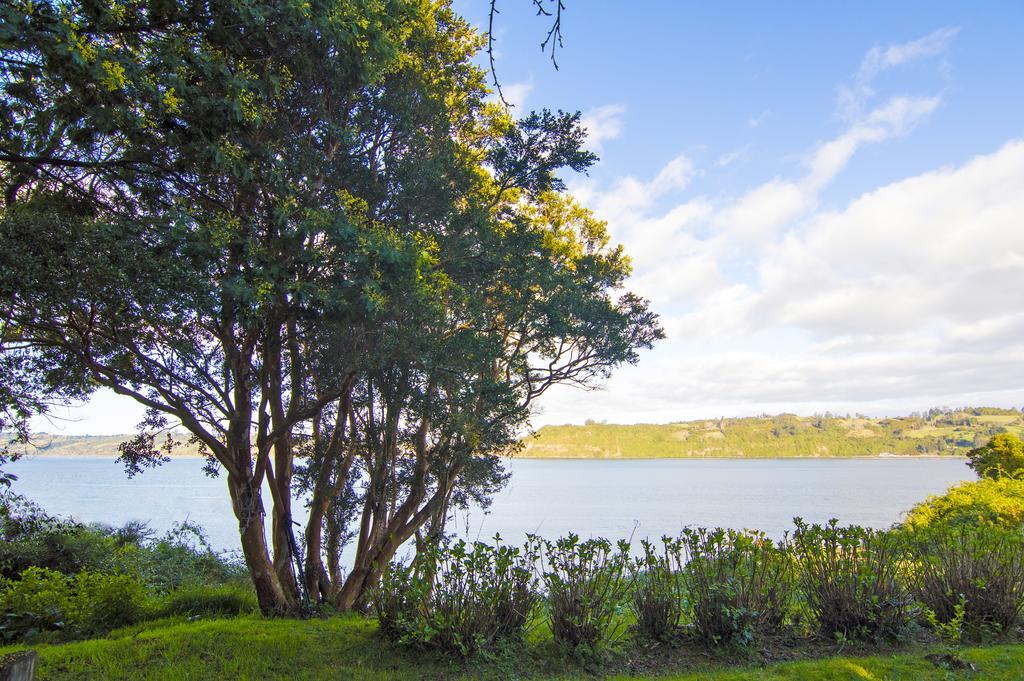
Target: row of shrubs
64,579
722,587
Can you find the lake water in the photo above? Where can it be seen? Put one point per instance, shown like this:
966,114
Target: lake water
548,497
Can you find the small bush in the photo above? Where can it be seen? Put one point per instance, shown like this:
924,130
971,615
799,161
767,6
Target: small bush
458,598
657,598
37,602
90,603
102,602
585,583
985,502
976,570
397,600
29,537
208,601
852,578
1003,456
739,583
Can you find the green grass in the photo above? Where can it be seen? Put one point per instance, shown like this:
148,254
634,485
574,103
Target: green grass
347,647
997,663
786,435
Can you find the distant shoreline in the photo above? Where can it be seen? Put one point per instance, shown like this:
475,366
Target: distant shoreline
189,455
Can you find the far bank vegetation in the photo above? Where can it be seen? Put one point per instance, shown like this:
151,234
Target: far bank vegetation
937,432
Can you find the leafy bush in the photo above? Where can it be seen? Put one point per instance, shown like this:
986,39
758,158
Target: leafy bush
459,598
90,603
207,600
101,602
397,601
985,502
974,575
180,557
1003,456
585,583
657,598
39,601
29,537
738,582
852,578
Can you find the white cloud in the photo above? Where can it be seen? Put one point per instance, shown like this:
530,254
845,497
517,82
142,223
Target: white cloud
853,97
516,95
602,124
730,157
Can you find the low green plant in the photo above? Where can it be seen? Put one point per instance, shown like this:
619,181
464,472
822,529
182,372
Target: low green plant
38,601
738,583
854,580
586,583
974,573
208,601
44,600
459,598
102,602
658,593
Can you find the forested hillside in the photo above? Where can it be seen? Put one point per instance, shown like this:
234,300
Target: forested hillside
937,432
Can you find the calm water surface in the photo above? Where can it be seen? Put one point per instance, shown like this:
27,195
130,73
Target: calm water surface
546,497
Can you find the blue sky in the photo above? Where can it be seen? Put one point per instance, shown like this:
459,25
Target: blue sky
825,201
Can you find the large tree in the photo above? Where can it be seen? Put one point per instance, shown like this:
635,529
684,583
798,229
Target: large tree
298,231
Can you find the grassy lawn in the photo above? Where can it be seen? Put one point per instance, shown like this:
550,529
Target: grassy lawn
348,648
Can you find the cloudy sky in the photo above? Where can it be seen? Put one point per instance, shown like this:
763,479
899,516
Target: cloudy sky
825,204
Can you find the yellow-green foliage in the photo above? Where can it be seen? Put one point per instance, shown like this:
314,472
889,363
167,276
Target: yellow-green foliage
1002,456
999,502
786,435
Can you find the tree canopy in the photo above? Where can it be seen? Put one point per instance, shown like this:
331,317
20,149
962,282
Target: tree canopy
300,232
1002,456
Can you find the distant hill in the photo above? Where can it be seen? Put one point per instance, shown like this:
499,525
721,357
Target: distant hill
89,445
938,432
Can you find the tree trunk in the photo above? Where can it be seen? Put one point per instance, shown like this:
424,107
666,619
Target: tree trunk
247,503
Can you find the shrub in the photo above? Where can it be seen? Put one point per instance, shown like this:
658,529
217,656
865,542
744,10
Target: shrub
396,601
89,603
101,602
738,583
209,601
585,583
1003,456
29,537
38,601
852,578
984,502
657,598
458,598
976,570
180,557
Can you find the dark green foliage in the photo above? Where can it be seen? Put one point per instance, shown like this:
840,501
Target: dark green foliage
586,584
658,591
32,538
1002,456
738,583
977,568
458,598
208,601
854,580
